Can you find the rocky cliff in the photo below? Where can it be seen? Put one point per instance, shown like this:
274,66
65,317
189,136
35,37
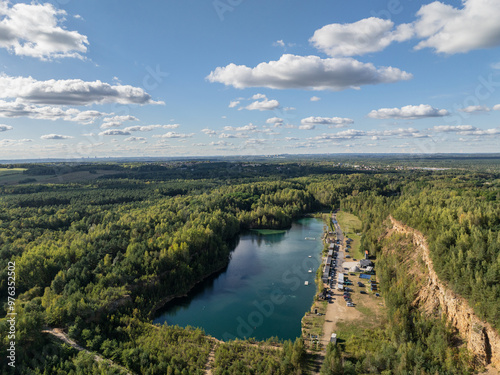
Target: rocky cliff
482,339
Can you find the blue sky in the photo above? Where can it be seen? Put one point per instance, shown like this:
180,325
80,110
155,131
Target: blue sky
240,77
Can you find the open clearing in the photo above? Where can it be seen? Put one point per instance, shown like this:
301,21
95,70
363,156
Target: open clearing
10,171
368,312
348,222
351,225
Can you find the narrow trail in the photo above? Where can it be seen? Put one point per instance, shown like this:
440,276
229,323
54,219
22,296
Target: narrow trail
59,334
211,359
316,362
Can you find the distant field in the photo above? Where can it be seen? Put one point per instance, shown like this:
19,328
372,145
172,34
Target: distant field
14,176
11,171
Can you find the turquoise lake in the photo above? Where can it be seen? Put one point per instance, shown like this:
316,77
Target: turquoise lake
261,293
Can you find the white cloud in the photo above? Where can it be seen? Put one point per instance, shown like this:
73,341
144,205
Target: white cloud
250,127
55,136
220,144
174,135
315,99
451,30
209,132
400,133
234,103
13,142
19,109
34,30
225,135
115,121
496,107
289,139
373,134
475,108
466,130
253,141
259,96
364,36
263,105
307,127
135,139
281,43
307,72
477,131
450,128
345,134
148,128
115,132
4,128
408,112
495,65
237,135
337,122
70,92
275,121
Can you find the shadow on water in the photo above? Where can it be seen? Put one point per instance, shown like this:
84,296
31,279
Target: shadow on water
181,303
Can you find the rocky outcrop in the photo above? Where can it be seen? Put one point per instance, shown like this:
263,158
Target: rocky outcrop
481,338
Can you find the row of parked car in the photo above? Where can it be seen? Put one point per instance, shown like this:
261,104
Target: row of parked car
347,298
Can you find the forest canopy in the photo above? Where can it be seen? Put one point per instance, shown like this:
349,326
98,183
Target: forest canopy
96,257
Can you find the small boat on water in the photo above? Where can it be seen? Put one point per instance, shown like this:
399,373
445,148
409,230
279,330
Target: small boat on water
306,282
310,271
310,256
311,238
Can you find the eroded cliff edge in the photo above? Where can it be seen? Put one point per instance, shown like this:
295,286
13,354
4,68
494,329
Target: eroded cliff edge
435,298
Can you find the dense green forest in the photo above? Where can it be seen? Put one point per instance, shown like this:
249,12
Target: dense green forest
95,257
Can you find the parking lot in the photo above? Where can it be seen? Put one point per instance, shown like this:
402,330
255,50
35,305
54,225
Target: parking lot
358,298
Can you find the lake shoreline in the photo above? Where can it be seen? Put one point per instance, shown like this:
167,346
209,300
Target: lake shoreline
160,304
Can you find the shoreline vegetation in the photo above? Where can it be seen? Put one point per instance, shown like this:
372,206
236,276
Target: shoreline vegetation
94,257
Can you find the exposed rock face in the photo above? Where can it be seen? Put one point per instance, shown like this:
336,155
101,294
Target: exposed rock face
482,339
